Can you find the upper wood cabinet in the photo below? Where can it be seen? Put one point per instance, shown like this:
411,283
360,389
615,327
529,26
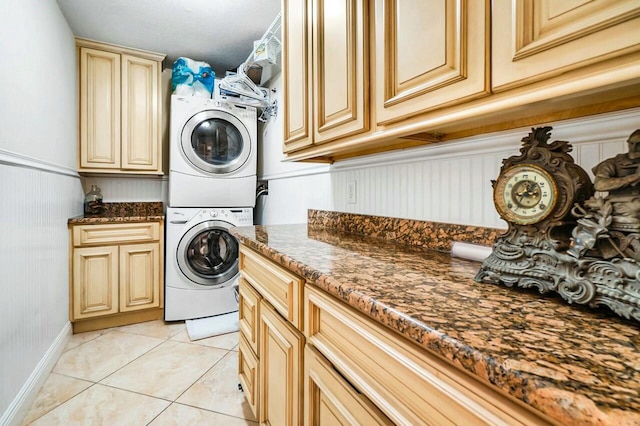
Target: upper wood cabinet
120,109
326,78
429,54
537,40
296,62
448,69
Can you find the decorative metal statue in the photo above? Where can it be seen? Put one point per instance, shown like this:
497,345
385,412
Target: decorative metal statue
600,265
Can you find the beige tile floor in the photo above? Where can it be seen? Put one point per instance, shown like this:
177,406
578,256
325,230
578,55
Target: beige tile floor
143,374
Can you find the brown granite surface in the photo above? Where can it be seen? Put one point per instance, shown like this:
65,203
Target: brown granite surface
123,212
434,235
578,366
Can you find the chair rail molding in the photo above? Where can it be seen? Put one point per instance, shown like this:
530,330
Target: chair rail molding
20,160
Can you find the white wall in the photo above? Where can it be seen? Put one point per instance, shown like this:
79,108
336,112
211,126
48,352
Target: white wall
293,187
39,191
448,182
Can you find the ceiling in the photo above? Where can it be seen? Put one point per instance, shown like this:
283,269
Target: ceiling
219,32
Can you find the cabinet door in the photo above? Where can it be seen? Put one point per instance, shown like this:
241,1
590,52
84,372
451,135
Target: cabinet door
276,284
330,400
95,282
99,109
248,313
296,63
281,350
248,368
340,68
140,112
536,40
429,54
139,276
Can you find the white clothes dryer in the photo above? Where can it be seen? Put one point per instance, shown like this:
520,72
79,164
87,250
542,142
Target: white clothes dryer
201,261
213,153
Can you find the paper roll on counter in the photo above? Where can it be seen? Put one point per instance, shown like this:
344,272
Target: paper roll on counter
470,251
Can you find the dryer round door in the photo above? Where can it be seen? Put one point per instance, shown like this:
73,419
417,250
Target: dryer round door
207,254
215,142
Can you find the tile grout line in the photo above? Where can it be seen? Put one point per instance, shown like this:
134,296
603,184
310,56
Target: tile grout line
65,401
202,375
93,383
170,402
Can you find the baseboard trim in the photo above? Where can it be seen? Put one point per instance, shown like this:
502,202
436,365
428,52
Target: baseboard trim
117,320
24,399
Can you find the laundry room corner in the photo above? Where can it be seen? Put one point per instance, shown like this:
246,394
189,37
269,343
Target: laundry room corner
294,187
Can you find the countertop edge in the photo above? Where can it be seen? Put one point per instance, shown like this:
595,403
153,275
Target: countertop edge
89,220
526,389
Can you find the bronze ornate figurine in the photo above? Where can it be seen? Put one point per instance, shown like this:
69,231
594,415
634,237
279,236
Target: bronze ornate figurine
601,266
620,176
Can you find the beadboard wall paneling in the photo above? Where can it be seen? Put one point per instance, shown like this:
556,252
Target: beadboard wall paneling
34,262
448,182
39,190
126,188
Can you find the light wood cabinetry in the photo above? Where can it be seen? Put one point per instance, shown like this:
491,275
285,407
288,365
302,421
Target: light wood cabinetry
326,82
450,69
120,109
248,372
408,384
282,289
331,400
339,366
280,353
270,354
429,55
95,281
537,40
297,75
117,274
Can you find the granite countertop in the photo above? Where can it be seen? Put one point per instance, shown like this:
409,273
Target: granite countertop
576,365
123,212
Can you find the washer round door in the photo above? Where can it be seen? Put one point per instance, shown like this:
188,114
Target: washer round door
207,254
215,142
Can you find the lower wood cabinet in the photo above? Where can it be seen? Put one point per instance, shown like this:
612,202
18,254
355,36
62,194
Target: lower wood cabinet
406,382
281,360
340,367
330,400
248,374
271,349
116,274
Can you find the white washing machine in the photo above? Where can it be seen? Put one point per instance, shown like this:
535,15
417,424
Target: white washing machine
201,261
213,153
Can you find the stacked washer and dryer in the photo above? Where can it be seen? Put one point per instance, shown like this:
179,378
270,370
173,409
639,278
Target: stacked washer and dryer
212,183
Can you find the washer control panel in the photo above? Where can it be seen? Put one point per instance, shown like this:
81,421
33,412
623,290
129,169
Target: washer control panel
238,217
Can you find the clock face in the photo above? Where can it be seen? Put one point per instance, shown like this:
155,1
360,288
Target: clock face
525,194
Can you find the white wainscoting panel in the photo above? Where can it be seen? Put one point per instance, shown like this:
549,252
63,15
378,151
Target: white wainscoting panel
448,182
34,265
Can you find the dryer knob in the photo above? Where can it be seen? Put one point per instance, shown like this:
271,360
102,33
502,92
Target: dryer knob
214,213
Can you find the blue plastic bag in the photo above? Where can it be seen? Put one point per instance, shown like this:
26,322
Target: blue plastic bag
192,78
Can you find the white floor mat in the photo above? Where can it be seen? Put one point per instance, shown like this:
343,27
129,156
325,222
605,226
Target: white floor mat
202,328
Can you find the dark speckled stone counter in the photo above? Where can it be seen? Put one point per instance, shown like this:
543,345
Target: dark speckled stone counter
578,366
123,212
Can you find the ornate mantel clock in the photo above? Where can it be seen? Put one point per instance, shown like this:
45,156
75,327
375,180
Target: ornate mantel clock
535,193
552,241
